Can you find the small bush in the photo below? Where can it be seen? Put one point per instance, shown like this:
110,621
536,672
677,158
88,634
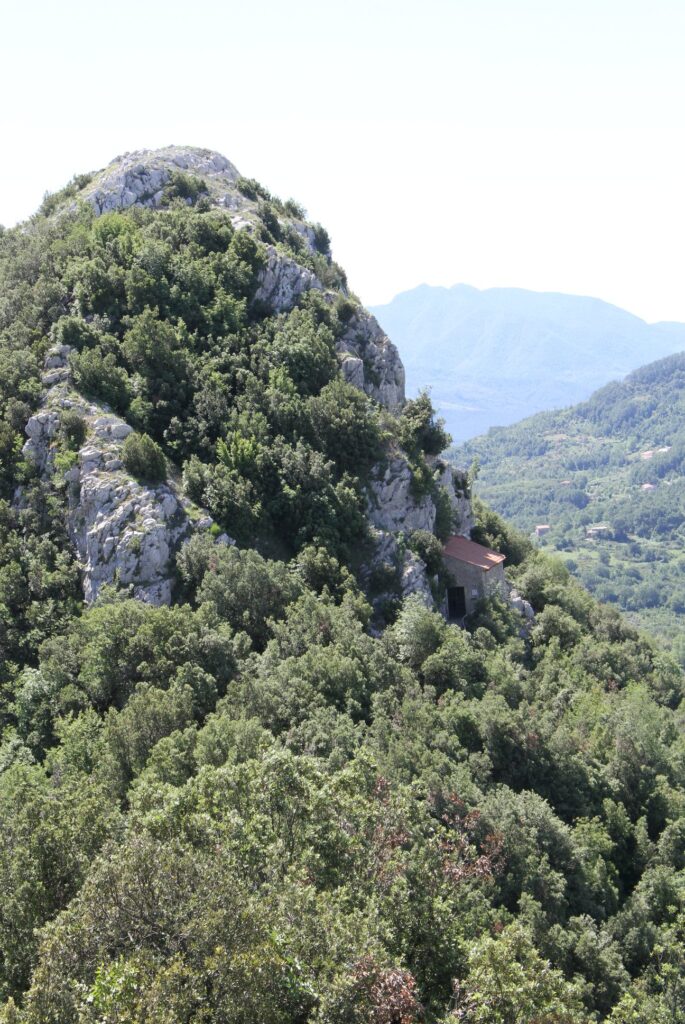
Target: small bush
184,187
98,374
420,431
294,209
322,241
73,429
428,548
143,458
444,514
51,200
270,221
252,189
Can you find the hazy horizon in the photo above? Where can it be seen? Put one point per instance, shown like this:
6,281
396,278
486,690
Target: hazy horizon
517,288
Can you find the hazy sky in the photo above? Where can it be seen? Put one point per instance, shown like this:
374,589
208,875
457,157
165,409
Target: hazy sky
535,143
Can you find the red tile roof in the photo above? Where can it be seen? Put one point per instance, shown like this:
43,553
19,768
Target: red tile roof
465,550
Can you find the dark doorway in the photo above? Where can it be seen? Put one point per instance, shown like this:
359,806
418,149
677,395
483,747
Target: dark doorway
456,602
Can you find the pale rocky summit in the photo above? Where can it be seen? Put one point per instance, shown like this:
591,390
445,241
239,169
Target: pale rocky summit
139,178
368,358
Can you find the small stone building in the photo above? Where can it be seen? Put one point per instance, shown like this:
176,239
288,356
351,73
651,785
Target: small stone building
476,572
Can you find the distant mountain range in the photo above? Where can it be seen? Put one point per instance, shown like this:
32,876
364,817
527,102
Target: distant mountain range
496,356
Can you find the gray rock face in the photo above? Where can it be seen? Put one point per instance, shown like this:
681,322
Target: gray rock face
456,485
368,359
282,282
520,605
382,372
124,532
139,177
308,234
40,431
392,507
353,371
407,569
414,579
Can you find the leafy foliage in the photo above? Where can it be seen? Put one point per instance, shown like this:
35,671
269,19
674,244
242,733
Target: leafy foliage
252,806
143,458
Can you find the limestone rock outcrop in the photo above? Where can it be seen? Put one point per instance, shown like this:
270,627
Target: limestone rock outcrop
124,532
403,572
395,511
456,484
392,505
138,178
282,282
520,605
371,362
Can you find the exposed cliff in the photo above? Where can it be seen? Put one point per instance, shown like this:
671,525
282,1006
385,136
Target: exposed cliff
124,531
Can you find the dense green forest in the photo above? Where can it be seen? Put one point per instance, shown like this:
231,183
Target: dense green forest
256,805
615,463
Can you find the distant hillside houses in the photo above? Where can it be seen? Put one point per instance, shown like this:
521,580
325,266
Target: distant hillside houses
655,451
600,531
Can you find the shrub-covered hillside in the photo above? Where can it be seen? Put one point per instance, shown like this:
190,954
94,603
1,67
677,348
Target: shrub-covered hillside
614,462
274,798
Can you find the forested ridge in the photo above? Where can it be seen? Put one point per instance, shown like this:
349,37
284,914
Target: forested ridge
613,462
275,800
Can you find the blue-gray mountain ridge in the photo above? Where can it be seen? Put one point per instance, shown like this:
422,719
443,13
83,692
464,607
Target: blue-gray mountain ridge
493,357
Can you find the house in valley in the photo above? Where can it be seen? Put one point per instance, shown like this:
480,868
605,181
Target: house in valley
476,572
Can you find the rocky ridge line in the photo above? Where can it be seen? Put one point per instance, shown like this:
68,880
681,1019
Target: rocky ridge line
369,360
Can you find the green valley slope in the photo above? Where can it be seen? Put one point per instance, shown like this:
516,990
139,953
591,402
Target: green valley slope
608,477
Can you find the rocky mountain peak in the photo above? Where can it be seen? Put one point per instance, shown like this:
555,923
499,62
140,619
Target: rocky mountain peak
139,177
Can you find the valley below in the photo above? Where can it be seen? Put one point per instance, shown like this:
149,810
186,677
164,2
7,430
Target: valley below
602,485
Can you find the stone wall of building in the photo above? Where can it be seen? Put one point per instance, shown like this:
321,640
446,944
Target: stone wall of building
477,583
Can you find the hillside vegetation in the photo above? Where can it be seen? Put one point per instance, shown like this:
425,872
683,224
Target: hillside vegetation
256,805
608,477
495,356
